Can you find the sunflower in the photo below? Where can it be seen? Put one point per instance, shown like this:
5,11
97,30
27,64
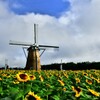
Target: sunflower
4,75
41,78
47,76
32,77
94,92
65,75
16,82
77,90
85,74
64,89
89,81
77,80
98,80
32,96
61,82
22,77
0,79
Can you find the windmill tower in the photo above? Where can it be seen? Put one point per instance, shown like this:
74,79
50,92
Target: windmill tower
33,58
6,64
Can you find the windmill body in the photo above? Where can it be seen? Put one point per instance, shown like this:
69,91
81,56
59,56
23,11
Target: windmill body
33,58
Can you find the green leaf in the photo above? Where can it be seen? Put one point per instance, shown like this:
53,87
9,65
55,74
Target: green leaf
17,96
13,90
0,89
55,97
87,77
6,98
27,89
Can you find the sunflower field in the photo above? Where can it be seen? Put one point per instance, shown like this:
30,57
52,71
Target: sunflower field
49,85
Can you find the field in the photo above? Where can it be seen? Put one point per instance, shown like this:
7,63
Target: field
49,85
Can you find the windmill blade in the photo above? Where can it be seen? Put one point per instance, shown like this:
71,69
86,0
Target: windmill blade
35,34
42,52
19,43
24,51
48,46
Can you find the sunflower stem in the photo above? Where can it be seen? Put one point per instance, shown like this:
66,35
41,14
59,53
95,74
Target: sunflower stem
23,86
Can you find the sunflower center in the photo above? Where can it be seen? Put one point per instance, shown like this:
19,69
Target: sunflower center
23,76
78,89
89,81
31,98
32,77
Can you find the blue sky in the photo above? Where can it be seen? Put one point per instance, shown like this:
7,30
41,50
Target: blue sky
50,7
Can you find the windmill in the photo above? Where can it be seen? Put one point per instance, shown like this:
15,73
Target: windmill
33,56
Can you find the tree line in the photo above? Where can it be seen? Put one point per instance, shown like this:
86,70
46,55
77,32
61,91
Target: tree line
67,66
72,66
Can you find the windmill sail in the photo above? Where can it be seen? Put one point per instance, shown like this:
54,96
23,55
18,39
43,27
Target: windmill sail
33,57
19,43
48,46
35,34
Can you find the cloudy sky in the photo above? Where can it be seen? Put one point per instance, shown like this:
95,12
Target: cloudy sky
73,25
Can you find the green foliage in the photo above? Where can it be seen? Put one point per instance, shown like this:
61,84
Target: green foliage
49,88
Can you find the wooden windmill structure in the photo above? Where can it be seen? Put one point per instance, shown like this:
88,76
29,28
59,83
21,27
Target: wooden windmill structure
33,57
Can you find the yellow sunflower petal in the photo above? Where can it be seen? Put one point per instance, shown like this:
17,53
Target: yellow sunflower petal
32,96
94,92
22,77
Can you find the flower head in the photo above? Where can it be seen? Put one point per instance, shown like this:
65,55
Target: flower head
77,80
32,77
32,96
61,82
85,74
77,90
89,81
16,82
94,92
0,79
64,89
22,77
41,78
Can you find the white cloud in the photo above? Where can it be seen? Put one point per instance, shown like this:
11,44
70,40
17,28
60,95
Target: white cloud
76,32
